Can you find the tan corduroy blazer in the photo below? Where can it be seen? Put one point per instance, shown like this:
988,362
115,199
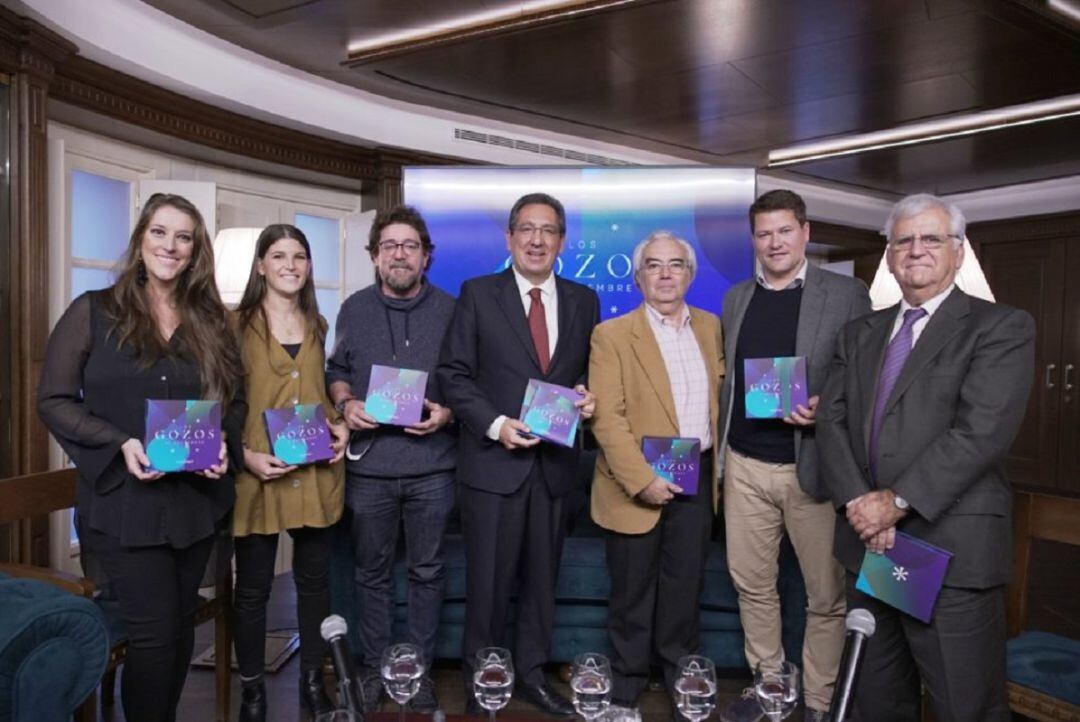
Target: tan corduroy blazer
633,400
313,495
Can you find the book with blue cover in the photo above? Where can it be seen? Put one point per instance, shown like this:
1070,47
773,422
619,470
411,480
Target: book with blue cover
299,434
182,435
549,412
674,459
774,386
907,577
396,396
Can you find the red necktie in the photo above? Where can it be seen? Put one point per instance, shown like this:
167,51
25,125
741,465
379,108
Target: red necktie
538,329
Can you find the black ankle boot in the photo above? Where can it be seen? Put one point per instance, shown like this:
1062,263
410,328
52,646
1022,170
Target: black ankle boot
313,693
253,702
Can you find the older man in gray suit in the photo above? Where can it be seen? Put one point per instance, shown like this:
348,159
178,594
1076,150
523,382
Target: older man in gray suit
921,404
770,467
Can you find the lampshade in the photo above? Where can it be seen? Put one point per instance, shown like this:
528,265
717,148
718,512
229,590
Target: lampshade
233,250
885,291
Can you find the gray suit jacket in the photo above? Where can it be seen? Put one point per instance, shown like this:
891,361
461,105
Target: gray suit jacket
950,420
829,300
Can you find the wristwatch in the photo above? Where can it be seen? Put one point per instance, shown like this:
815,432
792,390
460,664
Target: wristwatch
900,502
340,405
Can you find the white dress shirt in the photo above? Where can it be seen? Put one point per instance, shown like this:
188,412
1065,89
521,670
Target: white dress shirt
930,307
798,282
550,300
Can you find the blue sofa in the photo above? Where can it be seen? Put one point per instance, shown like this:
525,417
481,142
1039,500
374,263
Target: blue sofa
581,597
53,650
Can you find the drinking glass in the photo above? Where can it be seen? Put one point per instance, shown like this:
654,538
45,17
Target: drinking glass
402,668
337,715
493,679
777,689
695,687
590,682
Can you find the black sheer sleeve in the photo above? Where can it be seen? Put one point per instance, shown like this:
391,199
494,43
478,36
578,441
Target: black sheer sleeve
233,426
90,441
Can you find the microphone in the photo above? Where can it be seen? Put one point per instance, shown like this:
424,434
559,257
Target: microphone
860,625
333,630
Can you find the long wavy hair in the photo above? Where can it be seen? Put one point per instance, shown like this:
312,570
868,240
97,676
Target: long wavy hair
204,331
252,301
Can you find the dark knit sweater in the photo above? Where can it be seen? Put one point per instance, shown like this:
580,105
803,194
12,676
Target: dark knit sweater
375,329
768,330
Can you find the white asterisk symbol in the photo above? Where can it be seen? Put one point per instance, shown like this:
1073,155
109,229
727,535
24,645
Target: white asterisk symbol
614,309
899,573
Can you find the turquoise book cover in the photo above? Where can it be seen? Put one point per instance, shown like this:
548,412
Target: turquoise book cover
674,459
549,412
774,386
299,434
182,435
396,396
907,577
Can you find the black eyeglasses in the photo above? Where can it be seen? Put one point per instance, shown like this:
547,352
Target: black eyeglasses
410,247
929,242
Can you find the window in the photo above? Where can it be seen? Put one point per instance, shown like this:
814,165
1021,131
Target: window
100,223
325,237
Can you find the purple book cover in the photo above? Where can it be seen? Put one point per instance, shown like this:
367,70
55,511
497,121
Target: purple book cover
299,434
907,577
396,396
774,386
549,412
183,435
676,460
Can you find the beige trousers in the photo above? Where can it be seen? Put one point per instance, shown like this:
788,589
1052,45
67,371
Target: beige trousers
761,500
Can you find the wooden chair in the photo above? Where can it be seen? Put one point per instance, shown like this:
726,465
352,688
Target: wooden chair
1052,518
32,495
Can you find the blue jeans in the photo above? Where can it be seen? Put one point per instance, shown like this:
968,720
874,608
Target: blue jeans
379,506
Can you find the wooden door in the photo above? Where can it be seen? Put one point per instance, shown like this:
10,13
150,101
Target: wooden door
1069,424
1031,275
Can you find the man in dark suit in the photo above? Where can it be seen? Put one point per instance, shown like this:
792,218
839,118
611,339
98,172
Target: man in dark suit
770,468
922,402
507,328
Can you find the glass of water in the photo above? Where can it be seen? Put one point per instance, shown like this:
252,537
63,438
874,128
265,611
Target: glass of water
402,668
777,689
590,682
695,687
493,679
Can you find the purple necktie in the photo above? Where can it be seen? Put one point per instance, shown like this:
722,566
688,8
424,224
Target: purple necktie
896,354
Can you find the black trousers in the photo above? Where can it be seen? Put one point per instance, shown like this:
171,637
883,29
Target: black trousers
511,539
656,581
960,656
157,588
255,555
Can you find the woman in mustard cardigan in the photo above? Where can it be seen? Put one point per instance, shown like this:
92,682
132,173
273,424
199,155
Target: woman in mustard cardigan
281,339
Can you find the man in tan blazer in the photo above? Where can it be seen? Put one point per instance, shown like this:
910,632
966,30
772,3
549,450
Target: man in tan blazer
656,372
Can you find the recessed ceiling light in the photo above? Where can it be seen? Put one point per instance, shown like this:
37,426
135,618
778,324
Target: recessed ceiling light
931,130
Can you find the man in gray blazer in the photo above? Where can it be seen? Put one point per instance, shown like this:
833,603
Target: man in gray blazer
770,466
922,402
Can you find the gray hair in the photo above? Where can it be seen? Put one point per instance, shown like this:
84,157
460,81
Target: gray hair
915,204
639,251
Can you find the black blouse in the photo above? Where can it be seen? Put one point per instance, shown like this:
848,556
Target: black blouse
92,397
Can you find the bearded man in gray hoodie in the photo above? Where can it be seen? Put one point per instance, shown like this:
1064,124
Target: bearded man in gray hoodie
396,473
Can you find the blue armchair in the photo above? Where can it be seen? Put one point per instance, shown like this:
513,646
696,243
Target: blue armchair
53,650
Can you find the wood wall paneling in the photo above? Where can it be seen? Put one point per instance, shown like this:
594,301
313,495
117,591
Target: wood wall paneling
29,53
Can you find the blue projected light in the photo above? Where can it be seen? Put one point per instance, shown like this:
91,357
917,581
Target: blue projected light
609,210
324,236
100,216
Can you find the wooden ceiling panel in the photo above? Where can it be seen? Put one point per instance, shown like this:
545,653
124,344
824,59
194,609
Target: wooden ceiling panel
1004,157
710,79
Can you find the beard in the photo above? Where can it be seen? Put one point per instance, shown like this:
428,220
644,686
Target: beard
402,282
